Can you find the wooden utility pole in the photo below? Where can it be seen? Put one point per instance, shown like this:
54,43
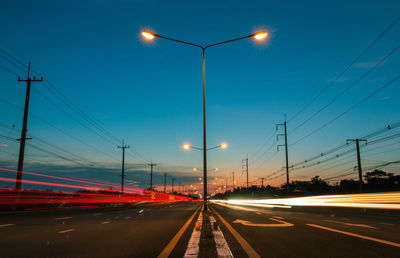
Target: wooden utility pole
286,150
151,164
123,147
360,180
24,128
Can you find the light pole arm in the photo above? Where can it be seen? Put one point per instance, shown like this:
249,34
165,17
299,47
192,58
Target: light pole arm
179,41
228,41
219,146
197,148
203,48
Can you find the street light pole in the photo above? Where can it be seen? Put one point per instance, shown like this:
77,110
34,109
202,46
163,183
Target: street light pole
258,36
204,133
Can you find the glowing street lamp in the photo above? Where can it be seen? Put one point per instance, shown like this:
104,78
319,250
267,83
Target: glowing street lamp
187,146
212,169
223,146
260,35
148,35
257,36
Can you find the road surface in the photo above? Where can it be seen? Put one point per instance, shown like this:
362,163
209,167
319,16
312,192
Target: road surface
285,233
169,229
136,232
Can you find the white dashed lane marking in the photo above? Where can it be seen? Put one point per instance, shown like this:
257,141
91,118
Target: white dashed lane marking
352,224
66,231
356,235
105,222
63,218
6,225
388,224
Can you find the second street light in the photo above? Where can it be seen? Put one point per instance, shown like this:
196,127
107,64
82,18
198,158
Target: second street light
151,36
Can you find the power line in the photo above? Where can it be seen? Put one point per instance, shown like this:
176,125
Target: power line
347,68
71,105
347,88
59,129
349,109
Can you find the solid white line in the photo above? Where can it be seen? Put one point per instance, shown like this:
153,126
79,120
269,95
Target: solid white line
223,249
352,224
62,218
7,225
65,231
105,222
356,235
384,223
193,249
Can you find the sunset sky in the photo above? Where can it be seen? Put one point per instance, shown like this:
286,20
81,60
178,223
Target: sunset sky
150,93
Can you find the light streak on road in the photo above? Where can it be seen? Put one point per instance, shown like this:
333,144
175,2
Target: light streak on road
389,200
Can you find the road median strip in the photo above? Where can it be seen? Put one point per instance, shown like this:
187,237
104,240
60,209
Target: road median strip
243,243
171,245
193,248
223,249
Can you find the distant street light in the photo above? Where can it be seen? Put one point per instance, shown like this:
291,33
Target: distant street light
187,146
151,36
213,169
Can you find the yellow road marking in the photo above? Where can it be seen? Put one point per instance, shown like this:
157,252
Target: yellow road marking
356,235
171,245
245,245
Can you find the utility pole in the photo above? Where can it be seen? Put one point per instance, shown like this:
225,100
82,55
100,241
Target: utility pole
233,181
286,149
123,147
226,185
360,180
151,164
173,179
165,182
262,181
245,164
24,128
179,187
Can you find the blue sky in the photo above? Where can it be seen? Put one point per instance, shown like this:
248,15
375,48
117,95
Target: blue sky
150,94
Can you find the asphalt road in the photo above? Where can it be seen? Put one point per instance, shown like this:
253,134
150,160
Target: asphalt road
136,232
285,233
149,230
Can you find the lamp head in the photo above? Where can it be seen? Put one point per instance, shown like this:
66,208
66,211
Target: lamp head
223,145
260,35
148,35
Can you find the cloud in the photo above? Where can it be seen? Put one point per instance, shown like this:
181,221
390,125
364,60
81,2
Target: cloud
134,175
368,64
